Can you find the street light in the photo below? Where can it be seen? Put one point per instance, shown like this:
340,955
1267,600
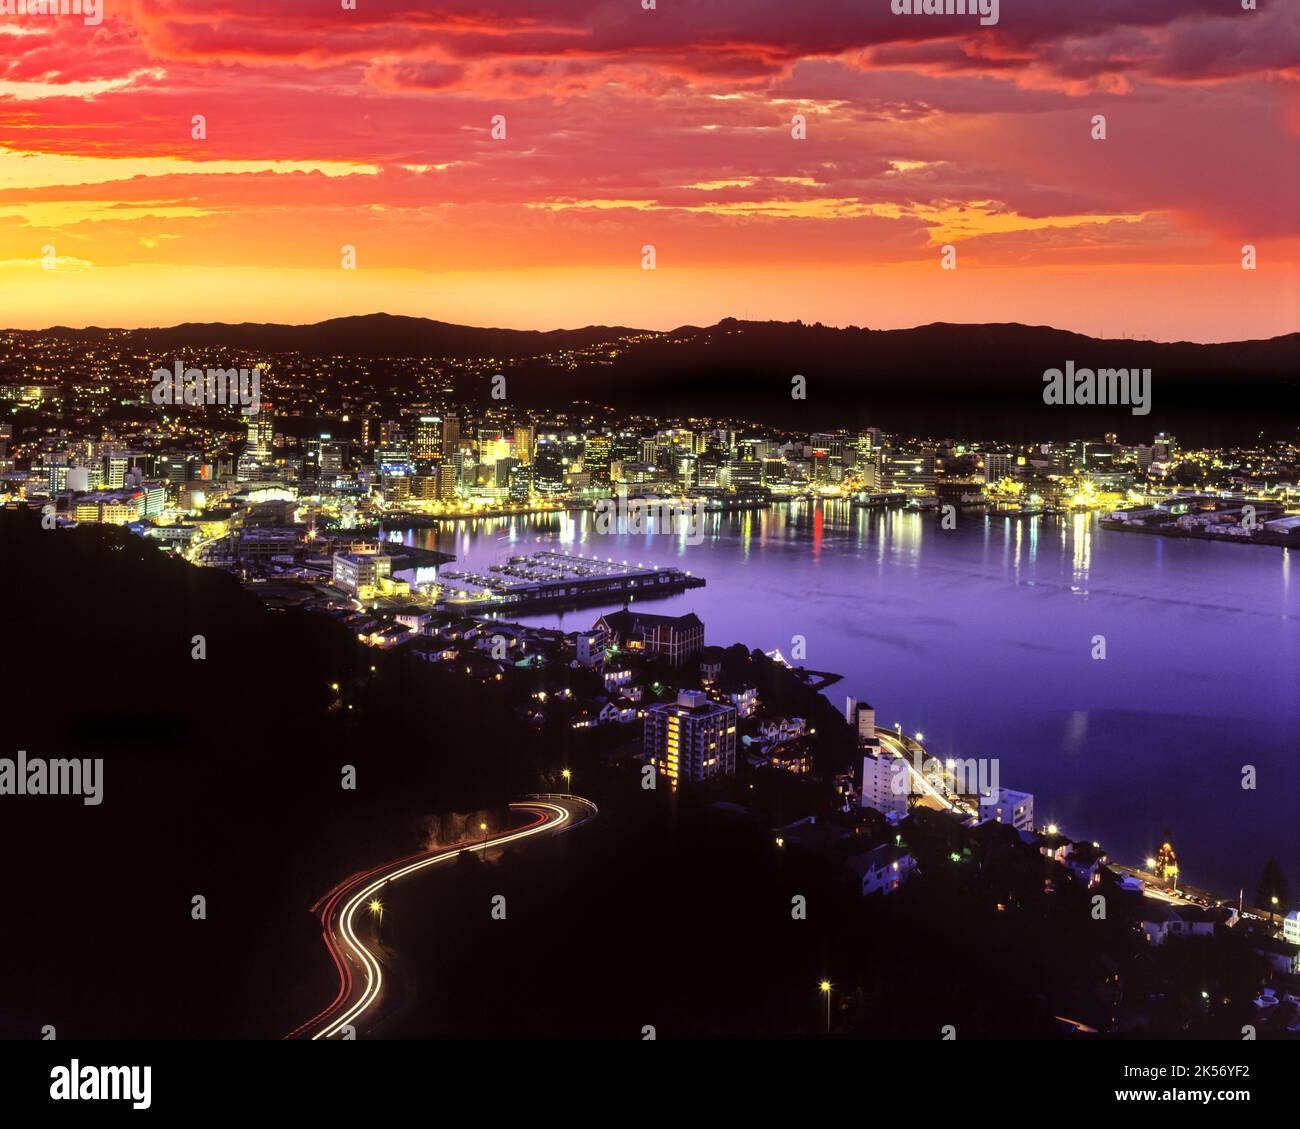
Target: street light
483,828
568,776
825,986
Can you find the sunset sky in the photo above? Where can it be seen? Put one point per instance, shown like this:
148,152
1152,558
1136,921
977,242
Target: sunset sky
373,127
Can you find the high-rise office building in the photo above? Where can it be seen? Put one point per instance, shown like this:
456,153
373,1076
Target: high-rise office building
524,445
521,482
548,465
428,437
997,466
334,456
502,471
261,433
115,464
740,472
424,487
450,434
258,458
447,481
596,457
830,443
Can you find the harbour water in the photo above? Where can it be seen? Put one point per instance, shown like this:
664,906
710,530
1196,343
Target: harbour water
983,639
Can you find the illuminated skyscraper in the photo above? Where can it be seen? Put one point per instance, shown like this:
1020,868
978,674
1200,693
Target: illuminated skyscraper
428,437
548,465
258,457
524,445
450,434
596,457
261,433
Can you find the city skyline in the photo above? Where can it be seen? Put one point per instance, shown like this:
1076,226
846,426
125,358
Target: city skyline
1032,635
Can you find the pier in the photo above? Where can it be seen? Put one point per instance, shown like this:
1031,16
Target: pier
886,501
555,579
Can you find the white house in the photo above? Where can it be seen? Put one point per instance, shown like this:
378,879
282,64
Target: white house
882,870
618,710
745,700
1007,806
1160,921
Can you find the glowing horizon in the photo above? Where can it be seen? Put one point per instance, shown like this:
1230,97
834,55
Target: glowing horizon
373,129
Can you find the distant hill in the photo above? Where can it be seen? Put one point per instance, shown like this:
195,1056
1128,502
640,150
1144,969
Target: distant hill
368,335
938,379
945,379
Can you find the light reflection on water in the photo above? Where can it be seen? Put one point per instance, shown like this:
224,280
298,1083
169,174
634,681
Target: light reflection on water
981,637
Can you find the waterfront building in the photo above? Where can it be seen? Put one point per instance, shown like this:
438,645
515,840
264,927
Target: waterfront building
997,466
740,472
885,784
1010,807
862,717
520,483
358,572
676,638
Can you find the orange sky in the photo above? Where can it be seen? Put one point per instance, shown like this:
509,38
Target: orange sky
372,128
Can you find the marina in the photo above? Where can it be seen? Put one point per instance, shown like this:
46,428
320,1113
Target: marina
554,579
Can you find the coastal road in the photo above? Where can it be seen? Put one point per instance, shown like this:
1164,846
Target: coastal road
906,748
361,976
900,745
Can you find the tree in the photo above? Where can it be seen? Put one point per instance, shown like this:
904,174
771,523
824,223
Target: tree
1273,884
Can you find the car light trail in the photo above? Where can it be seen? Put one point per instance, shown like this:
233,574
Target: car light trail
359,891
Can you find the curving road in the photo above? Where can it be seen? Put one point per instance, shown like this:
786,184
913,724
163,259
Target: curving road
361,977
